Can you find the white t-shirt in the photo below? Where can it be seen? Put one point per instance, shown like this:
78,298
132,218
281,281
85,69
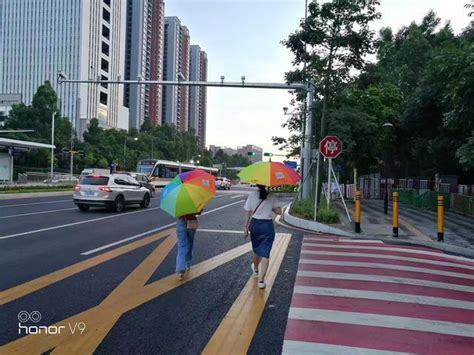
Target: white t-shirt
265,209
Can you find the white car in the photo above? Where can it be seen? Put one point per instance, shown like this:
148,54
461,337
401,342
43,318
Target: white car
222,183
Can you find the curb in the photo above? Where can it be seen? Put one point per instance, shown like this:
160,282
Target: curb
20,195
317,227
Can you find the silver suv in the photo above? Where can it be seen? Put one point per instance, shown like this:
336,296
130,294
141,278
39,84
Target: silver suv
113,191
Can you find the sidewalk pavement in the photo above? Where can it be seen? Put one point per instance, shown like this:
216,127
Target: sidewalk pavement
375,223
355,296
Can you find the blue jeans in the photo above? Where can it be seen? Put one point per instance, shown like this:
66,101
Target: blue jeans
185,245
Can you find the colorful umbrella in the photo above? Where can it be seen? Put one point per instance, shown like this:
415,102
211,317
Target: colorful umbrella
188,193
269,174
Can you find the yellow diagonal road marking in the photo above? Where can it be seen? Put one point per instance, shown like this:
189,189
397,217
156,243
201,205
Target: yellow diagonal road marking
43,281
236,331
100,319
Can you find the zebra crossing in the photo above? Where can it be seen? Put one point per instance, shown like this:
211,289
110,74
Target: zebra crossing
370,297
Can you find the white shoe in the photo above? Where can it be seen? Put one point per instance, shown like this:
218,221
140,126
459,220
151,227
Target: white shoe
254,271
262,284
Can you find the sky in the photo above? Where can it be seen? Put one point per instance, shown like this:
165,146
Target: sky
243,37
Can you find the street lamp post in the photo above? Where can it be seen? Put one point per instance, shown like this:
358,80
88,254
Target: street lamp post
387,126
152,148
125,149
192,159
52,144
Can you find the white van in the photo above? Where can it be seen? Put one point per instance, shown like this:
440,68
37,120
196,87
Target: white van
95,171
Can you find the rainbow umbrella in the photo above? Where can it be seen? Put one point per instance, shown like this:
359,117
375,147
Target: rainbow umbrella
188,193
269,174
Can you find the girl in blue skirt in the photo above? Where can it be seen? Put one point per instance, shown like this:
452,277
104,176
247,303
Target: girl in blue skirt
260,209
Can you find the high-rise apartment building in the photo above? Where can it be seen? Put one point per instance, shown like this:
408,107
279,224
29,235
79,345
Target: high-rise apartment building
175,67
198,94
250,148
144,59
82,38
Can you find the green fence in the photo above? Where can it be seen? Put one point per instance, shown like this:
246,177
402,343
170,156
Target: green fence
463,204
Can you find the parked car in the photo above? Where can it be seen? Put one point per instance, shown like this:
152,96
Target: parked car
144,181
113,191
223,183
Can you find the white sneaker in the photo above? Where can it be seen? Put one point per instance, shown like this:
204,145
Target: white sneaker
254,271
262,284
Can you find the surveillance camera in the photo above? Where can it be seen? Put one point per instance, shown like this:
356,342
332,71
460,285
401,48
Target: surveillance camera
243,78
285,110
222,78
61,76
139,78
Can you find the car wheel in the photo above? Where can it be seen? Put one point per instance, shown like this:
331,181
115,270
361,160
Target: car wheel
146,201
83,208
119,203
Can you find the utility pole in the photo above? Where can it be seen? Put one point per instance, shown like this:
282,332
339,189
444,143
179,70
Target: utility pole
52,143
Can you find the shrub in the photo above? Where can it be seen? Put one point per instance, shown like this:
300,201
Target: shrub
305,209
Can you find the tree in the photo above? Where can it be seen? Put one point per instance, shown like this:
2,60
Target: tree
332,42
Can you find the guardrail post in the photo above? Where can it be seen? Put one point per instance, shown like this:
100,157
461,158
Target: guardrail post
358,196
440,218
395,214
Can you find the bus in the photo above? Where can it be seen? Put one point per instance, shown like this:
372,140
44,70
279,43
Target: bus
164,171
145,166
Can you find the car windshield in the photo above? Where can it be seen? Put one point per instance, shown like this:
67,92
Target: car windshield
94,180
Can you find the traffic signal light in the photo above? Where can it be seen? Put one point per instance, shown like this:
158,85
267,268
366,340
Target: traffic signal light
268,154
251,153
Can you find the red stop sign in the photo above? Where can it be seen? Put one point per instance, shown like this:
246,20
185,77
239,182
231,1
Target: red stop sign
330,147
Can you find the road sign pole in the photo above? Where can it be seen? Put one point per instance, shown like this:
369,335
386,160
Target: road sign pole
329,182
71,162
317,183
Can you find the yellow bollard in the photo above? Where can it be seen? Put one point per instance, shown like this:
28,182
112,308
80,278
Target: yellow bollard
395,214
358,196
440,218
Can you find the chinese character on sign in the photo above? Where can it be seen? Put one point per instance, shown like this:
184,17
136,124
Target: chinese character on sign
330,147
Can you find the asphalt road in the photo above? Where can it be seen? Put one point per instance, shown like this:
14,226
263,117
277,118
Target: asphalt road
91,266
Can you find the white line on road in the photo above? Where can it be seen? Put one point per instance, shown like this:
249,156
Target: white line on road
386,279
149,232
220,231
386,256
384,296
34,213
379,320
36,203
75,223
237,196
387,266
292,347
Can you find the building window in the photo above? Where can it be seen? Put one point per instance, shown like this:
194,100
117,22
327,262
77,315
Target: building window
107,2
103,77
104,65
106,15
103,98
105,32
105,48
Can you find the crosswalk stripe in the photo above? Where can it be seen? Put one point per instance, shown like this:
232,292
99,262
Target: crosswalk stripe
391,257
344,240
377,320
390,279
385,296
383,247
292,347
387,266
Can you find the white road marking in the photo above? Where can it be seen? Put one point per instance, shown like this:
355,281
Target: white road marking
388,279
379,320
149,232
292,347
37,203
34,213
220,231
387,266
76,223
391,257
384,296
237,196
403,250
345,240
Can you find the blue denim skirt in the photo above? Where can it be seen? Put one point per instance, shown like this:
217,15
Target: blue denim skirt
262,235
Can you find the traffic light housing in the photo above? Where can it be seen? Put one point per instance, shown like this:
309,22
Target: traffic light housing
251,153
268,154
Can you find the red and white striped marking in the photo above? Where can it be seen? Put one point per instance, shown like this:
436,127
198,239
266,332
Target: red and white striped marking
369,297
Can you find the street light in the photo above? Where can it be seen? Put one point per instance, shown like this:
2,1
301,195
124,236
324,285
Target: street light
387,127
192,159
125,149
52,144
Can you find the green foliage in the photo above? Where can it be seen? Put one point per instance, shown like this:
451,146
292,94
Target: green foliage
21,189
429,200
305,209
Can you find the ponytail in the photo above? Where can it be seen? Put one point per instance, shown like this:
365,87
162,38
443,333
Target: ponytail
262,192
